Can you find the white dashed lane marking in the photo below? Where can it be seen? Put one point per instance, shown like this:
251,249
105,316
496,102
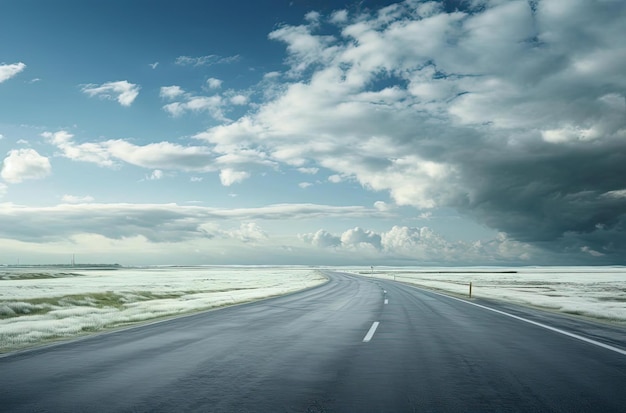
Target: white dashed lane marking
371,332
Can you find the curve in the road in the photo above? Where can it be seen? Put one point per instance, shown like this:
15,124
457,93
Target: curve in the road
354,344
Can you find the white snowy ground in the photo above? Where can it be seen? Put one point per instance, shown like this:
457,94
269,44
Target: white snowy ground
43,304
597,292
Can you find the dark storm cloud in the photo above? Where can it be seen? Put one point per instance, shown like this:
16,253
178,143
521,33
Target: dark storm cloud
562,197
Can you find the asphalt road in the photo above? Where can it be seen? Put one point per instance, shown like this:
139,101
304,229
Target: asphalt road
318,351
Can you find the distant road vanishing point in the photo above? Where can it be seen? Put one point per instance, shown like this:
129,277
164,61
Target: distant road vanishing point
354,344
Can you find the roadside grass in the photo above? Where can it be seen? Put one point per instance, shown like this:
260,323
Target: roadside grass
108,299
36,275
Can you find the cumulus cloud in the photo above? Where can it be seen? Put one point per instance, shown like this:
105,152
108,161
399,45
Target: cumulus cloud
216,105
322,239
382,206
155,175
238,100
211,104
304,47
339,16
7,71
402,244
122,91
214,83
230,176
312,17
22,164
171,92
160,155
358,236
410,240
86,152
248,232
511,112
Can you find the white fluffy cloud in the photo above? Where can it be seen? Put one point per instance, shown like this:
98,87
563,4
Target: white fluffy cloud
238,100
322,239
171,92
216,105
230,176
248,232
410,240
358,236
211,104
156,175
86,152
402,244
7,71
214,83
122,91
161,155
304,47
339,16
21,164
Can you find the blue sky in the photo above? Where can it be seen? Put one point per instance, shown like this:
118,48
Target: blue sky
478,132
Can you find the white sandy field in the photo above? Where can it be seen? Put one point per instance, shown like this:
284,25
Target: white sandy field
39,305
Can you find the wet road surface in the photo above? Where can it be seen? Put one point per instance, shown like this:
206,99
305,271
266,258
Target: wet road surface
354,344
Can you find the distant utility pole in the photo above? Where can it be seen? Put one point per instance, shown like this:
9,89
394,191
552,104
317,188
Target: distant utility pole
73,260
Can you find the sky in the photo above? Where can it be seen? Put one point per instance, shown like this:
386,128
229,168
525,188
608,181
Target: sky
458,132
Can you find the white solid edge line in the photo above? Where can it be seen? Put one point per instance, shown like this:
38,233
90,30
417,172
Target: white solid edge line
371,332
556,330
